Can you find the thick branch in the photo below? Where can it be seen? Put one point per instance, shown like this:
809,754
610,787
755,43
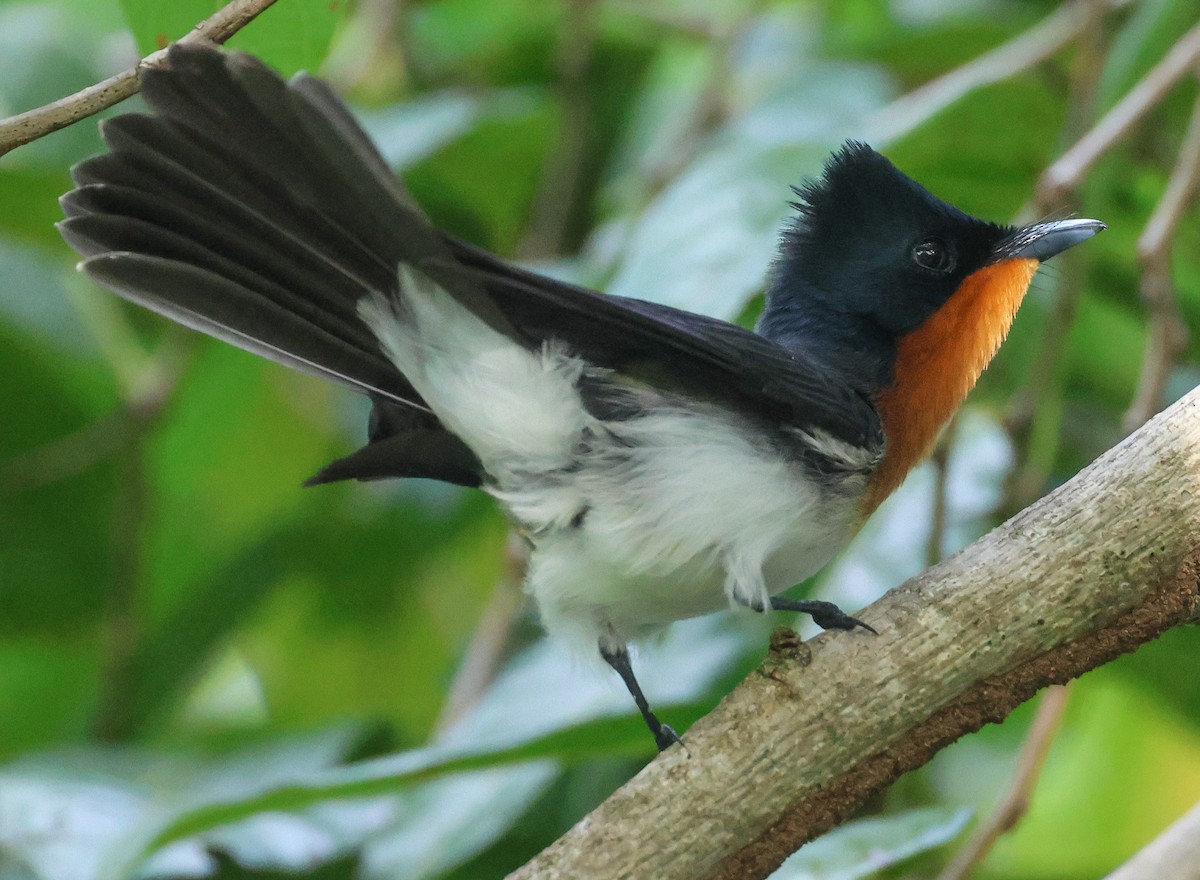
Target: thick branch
1093,570
25,127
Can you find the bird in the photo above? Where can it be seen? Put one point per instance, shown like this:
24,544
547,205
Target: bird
659,464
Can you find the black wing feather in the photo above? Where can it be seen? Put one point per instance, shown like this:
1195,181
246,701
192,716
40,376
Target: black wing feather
710,357
258,211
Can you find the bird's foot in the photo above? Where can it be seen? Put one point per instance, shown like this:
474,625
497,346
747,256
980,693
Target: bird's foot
824,614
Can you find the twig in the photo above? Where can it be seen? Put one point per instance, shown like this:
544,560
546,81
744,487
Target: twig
66,456
709,109
1175,853
1016,803
1040,42
1072,167
370,57
679,19
1168,334
121,623
25,127
1034,420
490,639
144,402
935,547
560,187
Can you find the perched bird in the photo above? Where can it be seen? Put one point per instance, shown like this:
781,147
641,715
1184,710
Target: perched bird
661,464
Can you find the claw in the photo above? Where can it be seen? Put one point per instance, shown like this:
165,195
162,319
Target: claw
665,737
824,614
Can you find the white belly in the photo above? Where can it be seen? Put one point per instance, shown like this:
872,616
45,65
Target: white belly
636,522
693,515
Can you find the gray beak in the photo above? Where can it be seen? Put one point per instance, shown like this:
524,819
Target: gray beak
1045,240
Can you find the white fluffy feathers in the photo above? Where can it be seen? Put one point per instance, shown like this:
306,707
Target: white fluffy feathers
634,522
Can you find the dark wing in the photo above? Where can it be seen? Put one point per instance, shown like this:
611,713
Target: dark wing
257,211
708,357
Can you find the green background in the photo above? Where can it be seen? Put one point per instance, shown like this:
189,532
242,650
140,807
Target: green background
206,670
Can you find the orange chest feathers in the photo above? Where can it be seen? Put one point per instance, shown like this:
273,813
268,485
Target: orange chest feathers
938,364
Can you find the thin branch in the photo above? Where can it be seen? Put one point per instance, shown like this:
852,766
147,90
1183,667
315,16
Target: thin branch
1168,335
490,639
370,57
1034,420
1016,803
678,19
1174,854
65,457
561,184
1072,167
1039,43
122,626
121,622
1101,565
25,127
935,547
709,109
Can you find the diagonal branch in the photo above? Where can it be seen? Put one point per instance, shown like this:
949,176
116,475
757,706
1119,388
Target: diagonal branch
1072,167
1036,45
1106,562
1168,334
25,127
1016,802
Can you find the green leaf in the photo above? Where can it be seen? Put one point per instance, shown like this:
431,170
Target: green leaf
446,822
514,725
1123,767
71,815
156,25
414,130
291,35
706,241
705,244
865,846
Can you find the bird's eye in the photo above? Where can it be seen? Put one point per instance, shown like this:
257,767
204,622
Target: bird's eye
932,255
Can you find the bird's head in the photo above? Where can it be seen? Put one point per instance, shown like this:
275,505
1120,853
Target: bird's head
871,246
900,293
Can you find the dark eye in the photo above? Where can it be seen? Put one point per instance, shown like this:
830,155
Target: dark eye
932,255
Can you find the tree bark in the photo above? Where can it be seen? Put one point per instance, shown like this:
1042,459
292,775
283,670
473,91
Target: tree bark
1093,570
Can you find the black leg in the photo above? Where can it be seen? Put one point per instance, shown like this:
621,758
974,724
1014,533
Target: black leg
618,659
824,614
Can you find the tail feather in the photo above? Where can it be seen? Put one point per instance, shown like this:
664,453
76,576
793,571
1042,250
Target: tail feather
256,211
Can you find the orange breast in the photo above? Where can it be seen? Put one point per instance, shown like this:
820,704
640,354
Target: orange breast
939,362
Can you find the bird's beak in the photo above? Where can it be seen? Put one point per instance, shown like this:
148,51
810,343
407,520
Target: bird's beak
1041,241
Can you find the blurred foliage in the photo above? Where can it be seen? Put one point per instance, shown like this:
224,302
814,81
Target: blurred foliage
206,671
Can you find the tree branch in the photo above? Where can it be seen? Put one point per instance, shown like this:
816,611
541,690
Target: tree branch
1025,779
25,127
1028,49
1101,565
1072,167
1168,335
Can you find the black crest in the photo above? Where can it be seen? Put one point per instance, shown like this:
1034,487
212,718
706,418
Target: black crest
869,256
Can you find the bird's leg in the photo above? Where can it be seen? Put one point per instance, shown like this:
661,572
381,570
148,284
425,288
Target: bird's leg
618,659
824,614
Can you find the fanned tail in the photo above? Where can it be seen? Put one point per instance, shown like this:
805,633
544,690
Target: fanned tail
257,211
